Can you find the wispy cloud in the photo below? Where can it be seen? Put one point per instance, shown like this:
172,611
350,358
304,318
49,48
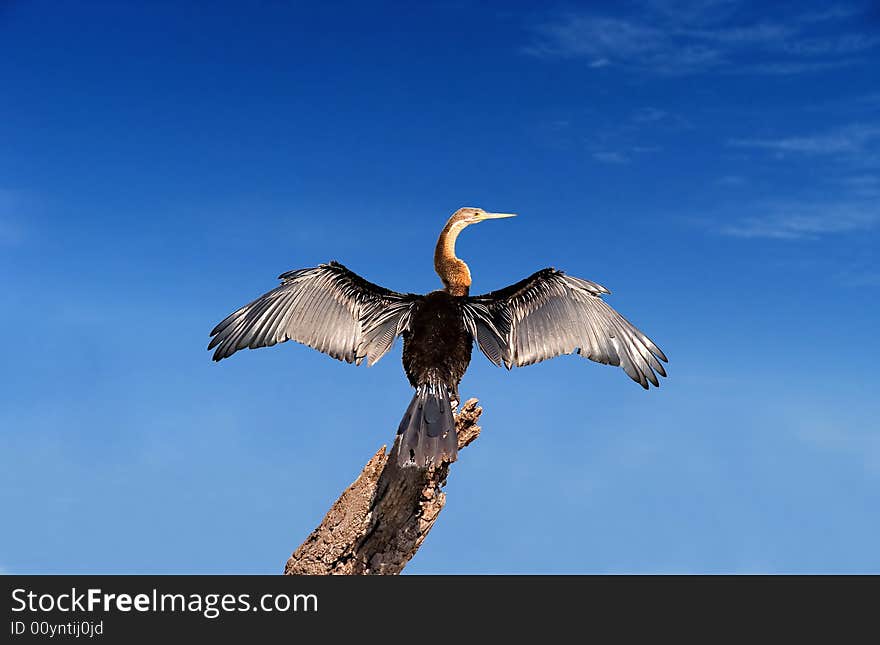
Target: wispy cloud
851,139
840,197
614,139
794,221
789,68
607,41
731,180
707,35
609,156
629,137
649,115
862,185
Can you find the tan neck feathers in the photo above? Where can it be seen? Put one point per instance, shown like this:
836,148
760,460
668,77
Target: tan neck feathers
453,272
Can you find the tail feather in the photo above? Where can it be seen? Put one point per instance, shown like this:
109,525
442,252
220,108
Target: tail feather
428,428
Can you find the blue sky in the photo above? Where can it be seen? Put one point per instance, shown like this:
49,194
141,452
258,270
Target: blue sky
715,163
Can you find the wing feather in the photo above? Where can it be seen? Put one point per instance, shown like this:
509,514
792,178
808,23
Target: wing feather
550,313
328,307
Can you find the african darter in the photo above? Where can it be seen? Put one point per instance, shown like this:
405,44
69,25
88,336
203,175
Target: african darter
339,313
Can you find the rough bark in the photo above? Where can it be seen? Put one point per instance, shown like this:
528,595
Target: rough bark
380,521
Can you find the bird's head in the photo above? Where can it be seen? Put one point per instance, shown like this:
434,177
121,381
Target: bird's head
453,271
467,216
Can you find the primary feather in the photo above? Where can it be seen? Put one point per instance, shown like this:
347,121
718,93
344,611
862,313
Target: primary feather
328,307
551,313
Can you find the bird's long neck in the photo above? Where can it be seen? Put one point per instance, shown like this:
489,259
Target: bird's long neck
453,272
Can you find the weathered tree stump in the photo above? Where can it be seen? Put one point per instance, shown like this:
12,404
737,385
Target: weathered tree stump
380,521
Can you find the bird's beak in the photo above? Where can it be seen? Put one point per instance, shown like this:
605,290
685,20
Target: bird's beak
496,215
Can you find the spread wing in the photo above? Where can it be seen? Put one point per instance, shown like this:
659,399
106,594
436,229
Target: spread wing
327,307
550,313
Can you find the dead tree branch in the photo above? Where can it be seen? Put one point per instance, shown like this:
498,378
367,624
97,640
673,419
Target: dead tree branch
380,521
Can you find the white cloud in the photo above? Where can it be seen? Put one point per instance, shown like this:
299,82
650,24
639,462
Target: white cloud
848,140
760,34
578,35
832,46
837,12
840,199
863,185
606,156
806,221
695,37
649,115
630,136
789,68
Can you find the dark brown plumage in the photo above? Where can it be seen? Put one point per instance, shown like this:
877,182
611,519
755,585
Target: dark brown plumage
437,345
341,314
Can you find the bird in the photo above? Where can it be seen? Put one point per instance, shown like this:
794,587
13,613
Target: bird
335,311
